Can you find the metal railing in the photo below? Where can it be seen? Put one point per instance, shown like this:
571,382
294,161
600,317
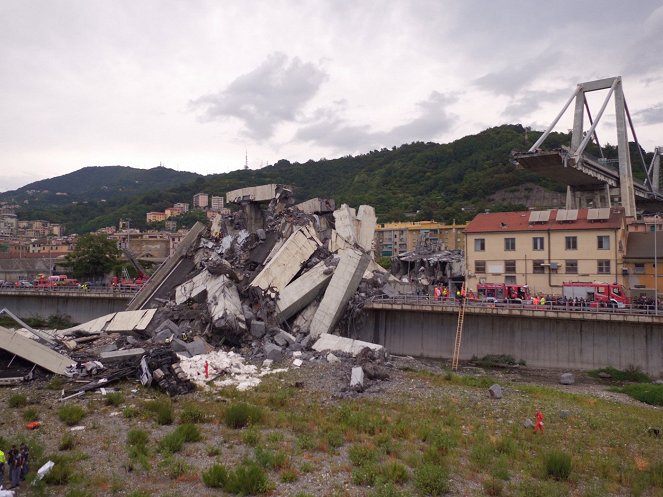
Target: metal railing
590,307
64,290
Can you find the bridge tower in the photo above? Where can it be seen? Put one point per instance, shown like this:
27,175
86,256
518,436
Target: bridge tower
591,181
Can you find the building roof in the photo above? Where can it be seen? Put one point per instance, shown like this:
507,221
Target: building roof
641,245
554,219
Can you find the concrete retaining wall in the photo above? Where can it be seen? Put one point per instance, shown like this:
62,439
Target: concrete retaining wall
540,342
79,307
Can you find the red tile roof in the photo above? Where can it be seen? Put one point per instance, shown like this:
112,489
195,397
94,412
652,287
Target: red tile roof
519,221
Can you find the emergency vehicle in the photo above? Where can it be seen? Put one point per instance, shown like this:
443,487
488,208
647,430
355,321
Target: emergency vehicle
502,292
611,294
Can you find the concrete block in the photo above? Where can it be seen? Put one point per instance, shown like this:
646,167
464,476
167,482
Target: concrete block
273,352
289,259
357,378
366,230
346,218
119,355
341,344
302,323
267,363
528,423
283,338
262,193
258,328
331,358
495,391
300,292
567,379
342,286
297,362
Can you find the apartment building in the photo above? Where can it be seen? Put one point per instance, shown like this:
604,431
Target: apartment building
183,206
155,217
201,201
543,249
217,203
396,238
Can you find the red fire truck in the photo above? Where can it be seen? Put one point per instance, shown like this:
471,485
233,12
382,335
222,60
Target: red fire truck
596,294
499,292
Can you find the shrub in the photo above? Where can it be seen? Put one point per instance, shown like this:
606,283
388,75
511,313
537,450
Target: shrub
139,439
213,451
493,487
30,414
17,400
557,465
67,442
192,413
216,476
177,467
114,399
171,443
71,414
363,455
56,383
289,475
432,479
241,414
129,412
162,410
189,432
248,479
365,475
270,459
395,472
251,437
61,473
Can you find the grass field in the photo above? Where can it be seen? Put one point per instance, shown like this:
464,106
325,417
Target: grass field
427,433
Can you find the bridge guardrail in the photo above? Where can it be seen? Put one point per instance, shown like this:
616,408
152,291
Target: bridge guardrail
647,310
69,291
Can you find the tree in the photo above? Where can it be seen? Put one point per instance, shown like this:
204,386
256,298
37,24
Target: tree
94,256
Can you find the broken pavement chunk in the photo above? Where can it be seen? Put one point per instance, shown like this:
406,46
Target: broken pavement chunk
283,338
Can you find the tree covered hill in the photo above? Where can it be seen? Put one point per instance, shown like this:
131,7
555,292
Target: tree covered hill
414,181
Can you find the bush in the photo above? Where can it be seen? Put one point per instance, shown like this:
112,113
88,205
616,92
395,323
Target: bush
173,442
61,473
114,399
216,476
71,414
493,487
192,414
289,475
139,439
363,455
557,465
431,479
30,414
395,472
365,475
162,411
189,432
67,442
56,383
248,479
241,414
176,468
17,400
270,459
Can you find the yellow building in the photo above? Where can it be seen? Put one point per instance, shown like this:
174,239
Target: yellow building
396,238
543,249
155,217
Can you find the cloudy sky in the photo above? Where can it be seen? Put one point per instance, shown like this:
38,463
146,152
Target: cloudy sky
194,84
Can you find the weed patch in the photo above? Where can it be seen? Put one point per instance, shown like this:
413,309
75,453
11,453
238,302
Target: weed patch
162,410
17,400
248,478
432,479
648,393
191,413
114,399
71,414
30,414
241,414
557,465
632,374
67,442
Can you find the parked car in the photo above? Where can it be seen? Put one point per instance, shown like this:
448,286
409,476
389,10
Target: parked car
24,284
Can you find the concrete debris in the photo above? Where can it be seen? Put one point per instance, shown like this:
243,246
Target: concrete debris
357,378
567,379
528,423
495,391
270,282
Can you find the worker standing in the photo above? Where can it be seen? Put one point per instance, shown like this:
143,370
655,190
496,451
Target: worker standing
24,451
14,467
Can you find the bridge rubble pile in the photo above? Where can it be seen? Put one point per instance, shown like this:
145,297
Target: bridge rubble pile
273,283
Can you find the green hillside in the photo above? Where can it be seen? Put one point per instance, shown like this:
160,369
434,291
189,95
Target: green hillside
413,181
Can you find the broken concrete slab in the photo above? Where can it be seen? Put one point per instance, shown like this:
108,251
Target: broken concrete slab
302,323
283,338
262,193
342,286
289,259
495,391
117,322
345,218
273,352
298,294
332,359
567,379
317,206
33,351
341,344
258,328
120,355
366,230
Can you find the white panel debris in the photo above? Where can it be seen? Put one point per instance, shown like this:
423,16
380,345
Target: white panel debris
357,378
298,294
342,286
341,344
287,262
224,369
117,322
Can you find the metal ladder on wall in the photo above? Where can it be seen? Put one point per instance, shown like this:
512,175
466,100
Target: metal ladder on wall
459,330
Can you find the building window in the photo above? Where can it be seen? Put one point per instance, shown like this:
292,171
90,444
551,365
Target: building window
537,243
509,266
537,266
509,244
603,243
480,267
571,266
603,266
571,243
479,244
639,268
